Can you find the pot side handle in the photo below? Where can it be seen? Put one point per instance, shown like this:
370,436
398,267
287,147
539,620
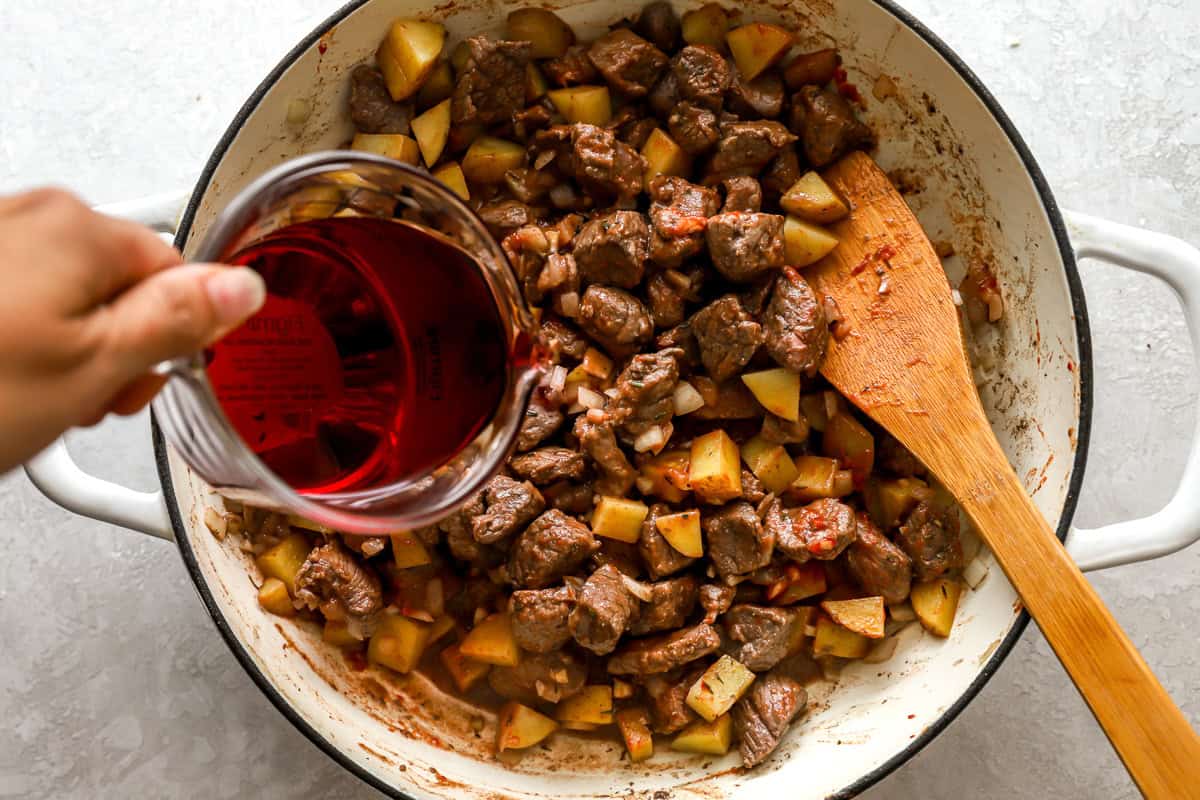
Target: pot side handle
1177,263
55,473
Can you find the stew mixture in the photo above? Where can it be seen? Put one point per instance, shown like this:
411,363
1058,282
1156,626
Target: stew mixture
693,524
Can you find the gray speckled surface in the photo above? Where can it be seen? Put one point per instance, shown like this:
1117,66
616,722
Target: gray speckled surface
114,683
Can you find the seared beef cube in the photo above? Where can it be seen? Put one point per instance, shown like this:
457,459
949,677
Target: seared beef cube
931,540
737,542
728,337
783,171
665,653
703,75
644,391
502,217
746,147
679,214
782,431
603,611
549,464
660,557
878,566
670,604
693,127
529,121
822,530
457,529
743,245
637,129
612,249
666,301
658,23
664,95
491,87
794,323
539,618
728,400
895,457
753,490
615,319
545,677
510,507
778,525
669,711
623,556
539,424
552,546
572,68
561,339
754,297
759,637
560,274
715,599
629,63
742,194
763,715
570,498
605,167
761,97
599,441
827,126
681,338
371,106
340,586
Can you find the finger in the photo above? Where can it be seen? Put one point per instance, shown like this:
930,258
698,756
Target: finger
130,252
136,394
175,313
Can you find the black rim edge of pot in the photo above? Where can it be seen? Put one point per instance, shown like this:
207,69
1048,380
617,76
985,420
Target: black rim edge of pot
1083,341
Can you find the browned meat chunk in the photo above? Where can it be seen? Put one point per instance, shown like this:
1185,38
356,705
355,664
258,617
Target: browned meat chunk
753,490
605,166
599,441
570,498
737,542
878,566
664,96
931,540
743,245
510,507
539,618
781,431
337,584
669,711
762,717
761,97
546,677
629,63
822,530
658,23
693,127
371,106
760,637
727,335
783,171
492,85
552,546
896,458
728,400
502,217
794,322
682,338
615,319
715,599
560,274
561,339
679,214
667,302
621,555
746,147
644,391
702,74
612,249
529,121
827,126
664,653
603,611
634,129
660,557
670,604
572,68
462,544
476,594
549,464
539,424
742,194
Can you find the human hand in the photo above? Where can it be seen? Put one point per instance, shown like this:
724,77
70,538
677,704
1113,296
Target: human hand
88,305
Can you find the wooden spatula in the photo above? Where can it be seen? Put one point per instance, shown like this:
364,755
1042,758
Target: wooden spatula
904,364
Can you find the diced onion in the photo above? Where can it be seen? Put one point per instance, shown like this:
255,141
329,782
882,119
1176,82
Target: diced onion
832,405
810,630
954,293
638,589
644,485
543,158
590,398
373,545
575,408
975,572
568,304
418,614
677,279
216,522
612,392
574,583
655,437
597,416
554,382
686,399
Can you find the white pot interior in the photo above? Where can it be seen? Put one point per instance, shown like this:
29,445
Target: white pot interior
971,188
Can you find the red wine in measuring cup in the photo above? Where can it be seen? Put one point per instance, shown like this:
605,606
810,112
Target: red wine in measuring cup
380,353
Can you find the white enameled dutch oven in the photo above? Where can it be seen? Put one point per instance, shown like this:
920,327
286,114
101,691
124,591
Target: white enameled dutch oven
977,187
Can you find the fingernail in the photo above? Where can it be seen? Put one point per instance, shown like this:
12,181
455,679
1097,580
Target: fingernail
236,293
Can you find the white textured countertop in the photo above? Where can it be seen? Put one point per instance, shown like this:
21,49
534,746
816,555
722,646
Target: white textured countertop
114,682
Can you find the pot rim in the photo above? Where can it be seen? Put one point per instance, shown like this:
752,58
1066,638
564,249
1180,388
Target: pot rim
1083,433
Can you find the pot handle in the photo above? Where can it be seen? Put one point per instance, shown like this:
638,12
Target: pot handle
55,473
1177,263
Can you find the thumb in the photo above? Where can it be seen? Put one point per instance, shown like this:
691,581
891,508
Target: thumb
178,311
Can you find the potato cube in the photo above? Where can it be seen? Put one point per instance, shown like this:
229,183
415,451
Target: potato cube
395,146
431,130
284,560
535,84
800,582
273,596
811,69
890,500
848,440
664,156
438,86
805,243
315,202
492,642
814,478
543,29
596,364
776,469
863,615
409,551
682,532
622,690
462,136
757,46
812,406
834,640
721,685
804,618
593,705
812,200
843,483
706,25
409,54
398,642
778,390
520,726
715,473
465,672
935,603
634,724
618,518
488,158
710,738
451,174
589,104
440,627
753,449
297,521
337,633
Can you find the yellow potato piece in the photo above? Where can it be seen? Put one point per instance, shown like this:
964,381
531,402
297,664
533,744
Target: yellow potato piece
396,146
488,158
935,603
666,475
337,633
757,46
284,560
593,705
520,726
805,243
706,25
431,129
778,390
398,642
588,104
834,640
812,200
664,157
408,550
273,596
465,672
721,685
814,478
437,87
682,532
451,174
618,518
710,738
863,615
715,473
634,724
776,469
891,499
440,627
535,84
492,642
543,29
409,54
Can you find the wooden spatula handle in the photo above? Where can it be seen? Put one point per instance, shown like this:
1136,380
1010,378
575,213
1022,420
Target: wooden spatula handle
1149,732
